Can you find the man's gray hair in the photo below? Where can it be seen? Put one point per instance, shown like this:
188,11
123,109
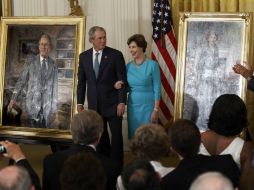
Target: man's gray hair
19,181
93,30
211,181
86,127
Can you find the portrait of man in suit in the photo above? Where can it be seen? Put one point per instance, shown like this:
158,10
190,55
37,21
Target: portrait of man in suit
100,67
39,78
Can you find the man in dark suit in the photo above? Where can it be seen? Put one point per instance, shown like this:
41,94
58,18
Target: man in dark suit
14,152
185,141
99,69
86,129
39,80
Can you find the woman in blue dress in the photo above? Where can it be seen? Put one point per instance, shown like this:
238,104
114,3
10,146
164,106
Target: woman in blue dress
143,77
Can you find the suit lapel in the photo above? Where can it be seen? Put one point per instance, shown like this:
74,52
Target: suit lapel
90,63
50,67
104,61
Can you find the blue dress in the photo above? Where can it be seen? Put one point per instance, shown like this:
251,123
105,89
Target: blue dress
144,88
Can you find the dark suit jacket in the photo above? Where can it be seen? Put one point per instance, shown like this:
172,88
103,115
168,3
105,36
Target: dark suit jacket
101,94
189,168
251,84
34,177
53,163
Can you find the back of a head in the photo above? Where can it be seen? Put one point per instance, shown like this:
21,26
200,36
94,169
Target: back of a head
150,142
81,172
211,181
184,137
15,178
228,116
140,175
86,127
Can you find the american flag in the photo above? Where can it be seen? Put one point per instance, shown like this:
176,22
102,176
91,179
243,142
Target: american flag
164,52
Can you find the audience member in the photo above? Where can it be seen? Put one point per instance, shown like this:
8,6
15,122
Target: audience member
83,171
212,181
185,140
86,129
139,175
227,120
246,71
15,178
150,142
247,180
14,152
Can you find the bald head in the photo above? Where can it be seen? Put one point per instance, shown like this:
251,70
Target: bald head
15,178
212,181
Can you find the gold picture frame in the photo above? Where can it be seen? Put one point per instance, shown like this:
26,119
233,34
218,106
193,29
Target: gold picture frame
6,6
209,45
18,46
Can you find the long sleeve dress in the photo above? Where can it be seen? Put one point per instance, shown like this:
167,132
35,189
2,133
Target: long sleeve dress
144,88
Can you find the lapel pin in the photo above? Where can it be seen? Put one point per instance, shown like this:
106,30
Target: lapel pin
106,57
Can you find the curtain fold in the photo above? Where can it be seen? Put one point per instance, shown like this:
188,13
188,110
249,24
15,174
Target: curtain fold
219,6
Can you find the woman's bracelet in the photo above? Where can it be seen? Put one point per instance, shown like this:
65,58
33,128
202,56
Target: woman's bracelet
156,109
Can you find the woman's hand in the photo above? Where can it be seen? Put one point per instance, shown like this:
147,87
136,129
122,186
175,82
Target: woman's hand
118,84
154,116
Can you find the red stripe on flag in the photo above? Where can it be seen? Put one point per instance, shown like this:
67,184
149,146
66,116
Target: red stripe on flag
165,54
172,39
165,110
167,87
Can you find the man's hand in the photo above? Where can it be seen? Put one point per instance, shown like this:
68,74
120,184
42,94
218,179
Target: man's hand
245,70
120,109
13,151
80,108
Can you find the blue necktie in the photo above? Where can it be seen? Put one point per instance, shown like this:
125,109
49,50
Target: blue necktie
96,65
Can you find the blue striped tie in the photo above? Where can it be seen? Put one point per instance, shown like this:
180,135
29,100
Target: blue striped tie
96,65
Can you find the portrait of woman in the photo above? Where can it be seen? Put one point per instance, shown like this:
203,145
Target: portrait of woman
211,53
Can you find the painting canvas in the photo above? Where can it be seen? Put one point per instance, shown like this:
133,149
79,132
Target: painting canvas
209,46
19,50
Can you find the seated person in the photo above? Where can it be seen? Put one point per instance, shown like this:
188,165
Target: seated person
227,120
185,140
86,130
15,178
83,171
212,181
140,174
150,142
14,152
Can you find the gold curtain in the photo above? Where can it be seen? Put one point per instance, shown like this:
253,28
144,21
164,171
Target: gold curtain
219,6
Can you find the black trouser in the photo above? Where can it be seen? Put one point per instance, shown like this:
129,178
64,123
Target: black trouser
115,150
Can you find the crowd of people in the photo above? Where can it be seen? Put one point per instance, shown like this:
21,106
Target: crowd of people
95,160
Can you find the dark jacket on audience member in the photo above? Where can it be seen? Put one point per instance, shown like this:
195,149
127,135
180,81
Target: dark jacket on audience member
34,177
52,167
189,168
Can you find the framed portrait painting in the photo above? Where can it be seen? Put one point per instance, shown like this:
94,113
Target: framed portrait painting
38,75
209,45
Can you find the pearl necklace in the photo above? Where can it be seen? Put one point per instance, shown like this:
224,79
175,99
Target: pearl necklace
139,64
